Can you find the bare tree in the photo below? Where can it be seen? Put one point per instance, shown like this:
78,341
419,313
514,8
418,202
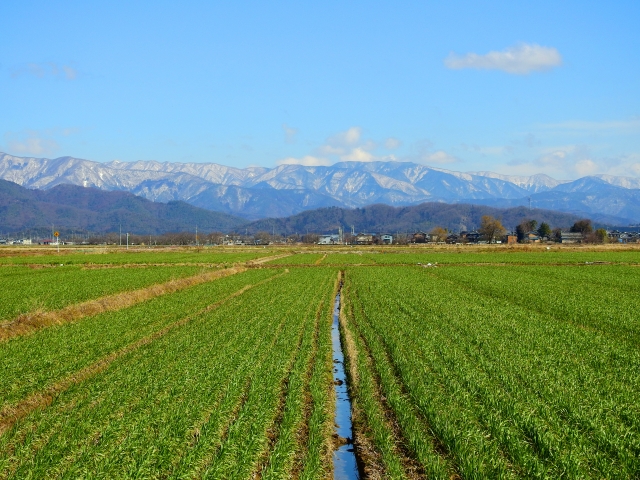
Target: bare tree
491,228
439,234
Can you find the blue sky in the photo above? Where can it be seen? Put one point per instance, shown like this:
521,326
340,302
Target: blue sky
509,87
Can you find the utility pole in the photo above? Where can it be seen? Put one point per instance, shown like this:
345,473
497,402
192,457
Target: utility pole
121,234
127,240
196,235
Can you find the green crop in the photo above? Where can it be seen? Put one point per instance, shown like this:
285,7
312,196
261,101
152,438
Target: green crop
213,256
211,397
495,363
495,389
25,290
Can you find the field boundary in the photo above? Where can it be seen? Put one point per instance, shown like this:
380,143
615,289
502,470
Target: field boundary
262,260
28,323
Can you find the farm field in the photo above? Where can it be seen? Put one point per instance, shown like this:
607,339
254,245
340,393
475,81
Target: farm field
492,364
467,255
496,373
102,256
25,289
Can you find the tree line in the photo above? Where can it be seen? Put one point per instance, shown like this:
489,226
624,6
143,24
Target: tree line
491,230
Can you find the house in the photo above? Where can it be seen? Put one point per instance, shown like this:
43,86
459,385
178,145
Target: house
365,239
617,236
511,239
532,237
453,238
386,239
329,240
570,237
626,237
419,237
471,237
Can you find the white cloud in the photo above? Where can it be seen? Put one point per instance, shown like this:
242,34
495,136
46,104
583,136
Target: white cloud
348,146
440,157
359,154
289,133
345,146
45,69
423,152
331,150
586,167
347,138
69,73
520,60
392,143
554,159
574,161
307,161
30,142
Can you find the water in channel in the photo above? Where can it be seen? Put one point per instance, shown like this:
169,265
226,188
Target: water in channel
345,466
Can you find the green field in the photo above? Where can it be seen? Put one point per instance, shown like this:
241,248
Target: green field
26,289
95,256
492,364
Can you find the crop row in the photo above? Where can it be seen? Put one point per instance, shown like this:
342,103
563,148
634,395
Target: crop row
602,298
208,255
223,389
298,259
26,290
453,381
468,255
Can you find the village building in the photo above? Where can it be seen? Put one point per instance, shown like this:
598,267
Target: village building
329,240
365,239
419,237
570,237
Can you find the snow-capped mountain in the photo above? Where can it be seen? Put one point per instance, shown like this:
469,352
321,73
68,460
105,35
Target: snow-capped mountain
534,183
258,192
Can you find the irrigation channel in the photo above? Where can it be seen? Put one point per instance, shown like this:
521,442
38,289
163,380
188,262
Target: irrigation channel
345,466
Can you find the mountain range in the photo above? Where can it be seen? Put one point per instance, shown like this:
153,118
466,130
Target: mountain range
86,209
259,192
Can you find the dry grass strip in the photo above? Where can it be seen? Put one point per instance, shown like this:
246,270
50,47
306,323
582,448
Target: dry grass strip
262,260
10,414
28,323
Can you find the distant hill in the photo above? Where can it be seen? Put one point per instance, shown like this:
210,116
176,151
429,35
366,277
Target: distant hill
89,209
259,192
383,218
74,207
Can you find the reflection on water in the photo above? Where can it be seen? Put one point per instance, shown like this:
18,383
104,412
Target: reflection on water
344,459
